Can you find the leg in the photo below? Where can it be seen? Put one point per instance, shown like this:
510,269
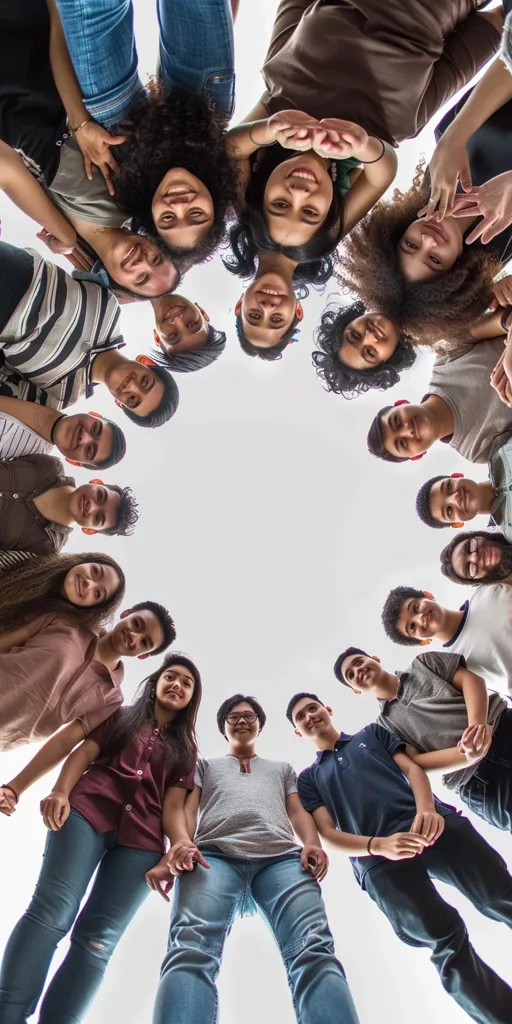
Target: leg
489,791
197,49
101,43
70,859
119,890
291,901
204,907
420,917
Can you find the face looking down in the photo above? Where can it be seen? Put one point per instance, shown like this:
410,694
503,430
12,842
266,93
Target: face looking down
480,558
268,309
297,199
137,634
181,325
134,385
90,584
242,724
428,248
95,507
175,688
368,341
182,209
420,618
454,500
361,672
136,263
408,430
84,438
310,717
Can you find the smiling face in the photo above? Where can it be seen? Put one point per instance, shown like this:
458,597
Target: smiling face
267,309
175,688
454,500
137,633
182,209
310,718
83,438
408,430
181,325
241,726
361,672
137,263
427,248
134,385
95,507
90,584
297,199
477,558
368,341
420,618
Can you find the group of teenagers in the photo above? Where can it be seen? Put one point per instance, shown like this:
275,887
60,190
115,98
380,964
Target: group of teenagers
135,185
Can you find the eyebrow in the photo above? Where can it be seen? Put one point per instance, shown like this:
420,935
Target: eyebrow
305,220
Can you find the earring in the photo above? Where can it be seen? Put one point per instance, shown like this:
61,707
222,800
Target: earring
400,401
415,458
425,643
152,693
333,170
457,476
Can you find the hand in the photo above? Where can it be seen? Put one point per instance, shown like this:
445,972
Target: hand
341,139
499,378
55,810
95,142
475,742
184,856
448,166
7,801
429,825
160,879
313,858
293,129
400,846
57,245
491,201
502,292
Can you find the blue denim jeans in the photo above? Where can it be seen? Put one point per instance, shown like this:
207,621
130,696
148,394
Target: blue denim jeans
70,859
196,52
205,905
420,916
489,790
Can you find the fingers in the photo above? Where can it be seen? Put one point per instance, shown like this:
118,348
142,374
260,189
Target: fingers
108,180
87,167
117,140
200,860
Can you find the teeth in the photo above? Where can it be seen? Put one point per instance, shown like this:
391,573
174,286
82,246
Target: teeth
303,174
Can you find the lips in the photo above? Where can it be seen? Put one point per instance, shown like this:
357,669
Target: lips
84,506
271,291
377,330
132,256
436,230
79,585
491,557
124,384
180,192
303,172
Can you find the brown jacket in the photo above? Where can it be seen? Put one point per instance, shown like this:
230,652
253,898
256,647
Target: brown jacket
388,65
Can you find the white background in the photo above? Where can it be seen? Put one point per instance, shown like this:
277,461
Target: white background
273,537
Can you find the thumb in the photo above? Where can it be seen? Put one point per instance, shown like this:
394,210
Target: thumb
200,860
117,140
465,177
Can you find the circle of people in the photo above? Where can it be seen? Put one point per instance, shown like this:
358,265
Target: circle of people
135,185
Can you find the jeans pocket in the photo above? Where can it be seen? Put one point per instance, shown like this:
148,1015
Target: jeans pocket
475,796
220,90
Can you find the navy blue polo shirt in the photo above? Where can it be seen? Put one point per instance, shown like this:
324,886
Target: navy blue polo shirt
363,789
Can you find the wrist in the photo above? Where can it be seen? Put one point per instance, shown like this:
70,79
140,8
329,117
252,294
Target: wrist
13,789
372,151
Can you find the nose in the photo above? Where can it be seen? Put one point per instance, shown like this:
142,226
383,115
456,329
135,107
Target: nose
300,187
269,301
428,241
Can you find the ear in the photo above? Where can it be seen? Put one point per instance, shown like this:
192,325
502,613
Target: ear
97,415
71,462
427,593
457,476
88,533
119,404
375,657
299,312
238,307
456,526
126,612
327,708
357,692
144,360
203,312
425,643
96,480
297,733
157,339
141,657
416,458
401,401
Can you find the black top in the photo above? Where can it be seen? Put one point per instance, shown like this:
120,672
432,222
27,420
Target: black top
490,153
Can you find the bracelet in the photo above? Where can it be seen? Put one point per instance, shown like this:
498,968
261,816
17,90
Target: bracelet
261,145
5,785
369,843
504,317
77,129
377,158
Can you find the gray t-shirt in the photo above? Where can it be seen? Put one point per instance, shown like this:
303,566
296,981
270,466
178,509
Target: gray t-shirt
76,196
429,713
482,422
244,814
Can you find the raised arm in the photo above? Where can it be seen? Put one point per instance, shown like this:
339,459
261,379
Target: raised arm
48,757
56,807
26,193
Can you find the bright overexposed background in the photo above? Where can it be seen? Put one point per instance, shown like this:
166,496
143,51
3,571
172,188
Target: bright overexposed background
273,537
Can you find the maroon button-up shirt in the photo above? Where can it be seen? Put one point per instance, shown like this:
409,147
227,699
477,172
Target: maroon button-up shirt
126,792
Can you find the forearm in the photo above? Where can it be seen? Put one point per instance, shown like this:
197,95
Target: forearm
346,842
381,171
489,94
38,417
48,757
26,193
475,696
63,71
244,139
305,828
175,826
74,767
449,758
489,325
420,786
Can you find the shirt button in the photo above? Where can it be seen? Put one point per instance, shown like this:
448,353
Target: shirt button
139,771
15,495
128,807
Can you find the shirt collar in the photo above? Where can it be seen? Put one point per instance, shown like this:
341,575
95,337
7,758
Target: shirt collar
464,608
98,275
343,738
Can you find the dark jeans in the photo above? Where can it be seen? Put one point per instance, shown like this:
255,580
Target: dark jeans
70,859
489,791
404,891
16,271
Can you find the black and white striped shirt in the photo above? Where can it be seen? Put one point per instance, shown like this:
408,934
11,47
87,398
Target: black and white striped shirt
51,339
16,439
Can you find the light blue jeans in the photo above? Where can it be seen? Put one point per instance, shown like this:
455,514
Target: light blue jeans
206,903
196,52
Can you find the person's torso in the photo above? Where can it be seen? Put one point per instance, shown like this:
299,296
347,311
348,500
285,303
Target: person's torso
500,475
23,527
16,439
77,196
486,638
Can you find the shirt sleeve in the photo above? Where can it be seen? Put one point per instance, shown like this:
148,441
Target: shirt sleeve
185,781
442,665
14,386
387,739
93,719
290,780
103,731
199,773
309,796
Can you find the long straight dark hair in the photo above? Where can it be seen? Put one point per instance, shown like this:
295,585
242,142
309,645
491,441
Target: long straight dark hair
180,735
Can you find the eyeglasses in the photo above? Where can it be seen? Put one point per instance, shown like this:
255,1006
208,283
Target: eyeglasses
235,717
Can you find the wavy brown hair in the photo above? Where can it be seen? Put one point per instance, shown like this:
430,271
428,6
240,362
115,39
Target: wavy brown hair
445,308
33,587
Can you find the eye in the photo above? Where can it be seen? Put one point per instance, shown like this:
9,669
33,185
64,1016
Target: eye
434,259
142,279
449,487
99,520
96,428
276,319
449,512
412,628
90,452
311,213
279,204
370,355
156,259
132,401
145,643
403,444
410,245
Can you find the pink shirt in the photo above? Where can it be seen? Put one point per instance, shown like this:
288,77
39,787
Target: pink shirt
52,679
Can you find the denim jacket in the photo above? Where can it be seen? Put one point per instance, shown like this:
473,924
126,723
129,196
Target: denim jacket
500,475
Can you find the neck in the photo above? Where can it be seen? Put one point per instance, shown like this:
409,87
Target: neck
163,717
103,362
326,739
450,625
387,686
276,263
106,653
443,416
99,238
486,496
243,749
54,504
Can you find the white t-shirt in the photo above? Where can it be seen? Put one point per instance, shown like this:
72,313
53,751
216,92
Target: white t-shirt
16,439
485,639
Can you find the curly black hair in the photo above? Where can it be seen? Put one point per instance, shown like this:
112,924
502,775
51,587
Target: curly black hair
391,611
342,379
127,514
171,128
248,241
501,571
444,308
423,503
